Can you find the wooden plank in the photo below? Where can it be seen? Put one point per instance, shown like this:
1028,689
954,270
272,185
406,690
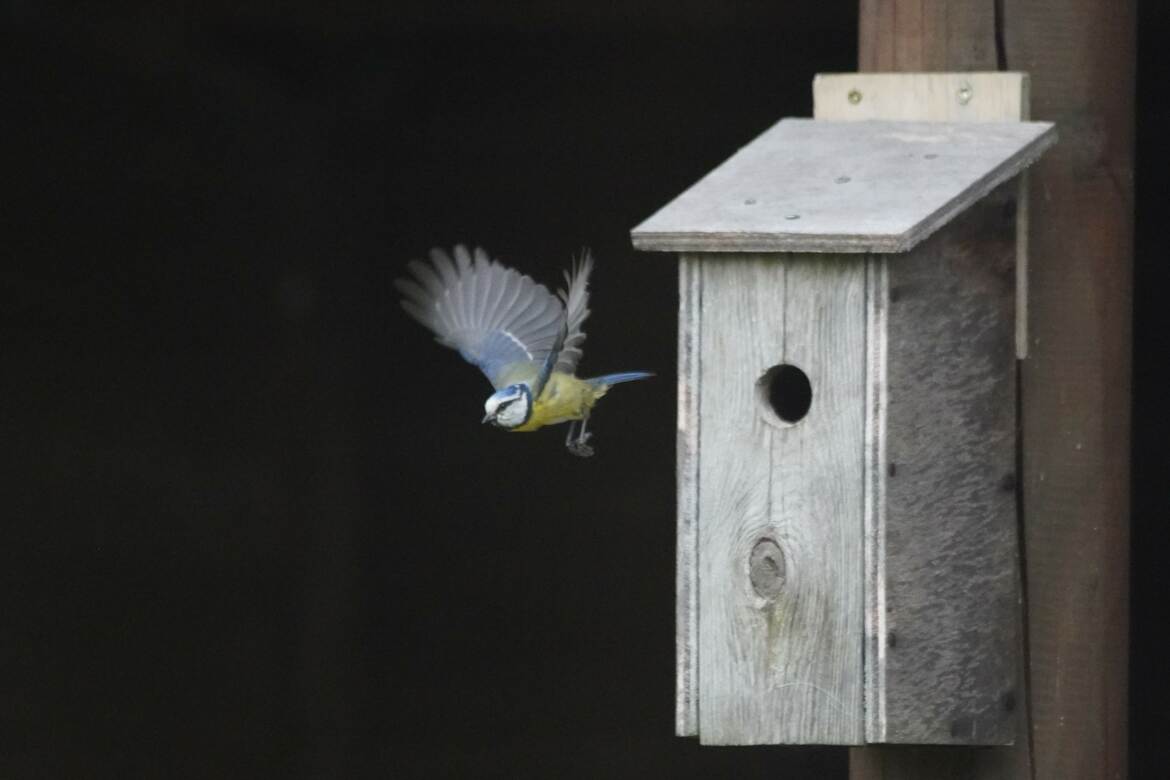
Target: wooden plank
687,453
877,297
1076,381
842,187
943,97
944,665
779,656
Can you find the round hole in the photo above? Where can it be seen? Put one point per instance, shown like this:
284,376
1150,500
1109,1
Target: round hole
786,392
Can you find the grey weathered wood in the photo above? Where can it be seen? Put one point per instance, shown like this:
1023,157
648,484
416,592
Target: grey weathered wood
900,689
780,660
686,571
877,285
842,187
939,97
931,96
944,621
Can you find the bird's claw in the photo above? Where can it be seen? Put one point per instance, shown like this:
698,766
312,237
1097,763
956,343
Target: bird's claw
580,446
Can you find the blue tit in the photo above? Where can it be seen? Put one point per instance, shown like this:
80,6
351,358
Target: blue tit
526,340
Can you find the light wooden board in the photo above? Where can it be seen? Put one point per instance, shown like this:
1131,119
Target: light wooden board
781,666
843,187
687,453
941,97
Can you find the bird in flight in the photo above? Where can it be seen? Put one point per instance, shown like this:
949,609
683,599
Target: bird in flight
526,340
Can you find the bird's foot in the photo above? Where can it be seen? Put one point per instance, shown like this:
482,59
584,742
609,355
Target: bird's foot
580,446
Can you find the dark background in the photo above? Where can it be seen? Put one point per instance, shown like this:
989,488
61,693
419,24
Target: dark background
252,526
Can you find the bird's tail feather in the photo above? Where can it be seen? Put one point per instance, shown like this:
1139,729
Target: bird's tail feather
616,379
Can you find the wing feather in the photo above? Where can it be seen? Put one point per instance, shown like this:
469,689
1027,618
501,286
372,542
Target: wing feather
483,294
496,317
508,293
576,302
445,267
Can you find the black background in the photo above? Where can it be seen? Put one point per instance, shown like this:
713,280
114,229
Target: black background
252,526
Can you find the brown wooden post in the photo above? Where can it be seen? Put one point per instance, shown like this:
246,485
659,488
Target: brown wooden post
1075,384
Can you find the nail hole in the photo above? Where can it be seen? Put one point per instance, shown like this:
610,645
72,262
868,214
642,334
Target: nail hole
750,202
930,156
792,216
785,391
842,180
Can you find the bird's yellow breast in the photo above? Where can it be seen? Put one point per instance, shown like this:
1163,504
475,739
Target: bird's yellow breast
564,398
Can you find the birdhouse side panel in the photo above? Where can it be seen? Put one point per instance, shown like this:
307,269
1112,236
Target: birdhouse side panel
780,500
945,620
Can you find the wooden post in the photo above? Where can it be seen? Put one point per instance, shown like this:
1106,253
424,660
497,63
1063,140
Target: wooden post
1074,458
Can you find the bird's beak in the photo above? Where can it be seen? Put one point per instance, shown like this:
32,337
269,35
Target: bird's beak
487,418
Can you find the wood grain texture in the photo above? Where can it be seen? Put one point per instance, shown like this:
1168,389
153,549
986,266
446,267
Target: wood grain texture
687,453
936,96
941,638
943,97
1080,56
842,187
1076,381
945,670
781,665
913,35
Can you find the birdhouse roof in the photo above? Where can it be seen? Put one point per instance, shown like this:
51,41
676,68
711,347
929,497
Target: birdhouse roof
810,185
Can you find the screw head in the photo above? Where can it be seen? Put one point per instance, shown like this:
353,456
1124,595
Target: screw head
965,94
854,96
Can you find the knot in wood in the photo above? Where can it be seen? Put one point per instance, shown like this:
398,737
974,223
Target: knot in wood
767,569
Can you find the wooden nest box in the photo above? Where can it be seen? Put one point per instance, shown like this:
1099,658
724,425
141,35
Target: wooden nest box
847,427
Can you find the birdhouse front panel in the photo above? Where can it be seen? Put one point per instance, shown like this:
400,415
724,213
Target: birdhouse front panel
782,388
855,493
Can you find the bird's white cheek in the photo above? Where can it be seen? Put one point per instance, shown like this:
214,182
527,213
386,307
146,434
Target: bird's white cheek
513,415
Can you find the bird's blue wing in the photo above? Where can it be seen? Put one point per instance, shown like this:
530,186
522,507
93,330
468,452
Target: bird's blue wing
497,318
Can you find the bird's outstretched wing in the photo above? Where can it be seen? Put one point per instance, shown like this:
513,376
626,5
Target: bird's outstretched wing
494,316
575,298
